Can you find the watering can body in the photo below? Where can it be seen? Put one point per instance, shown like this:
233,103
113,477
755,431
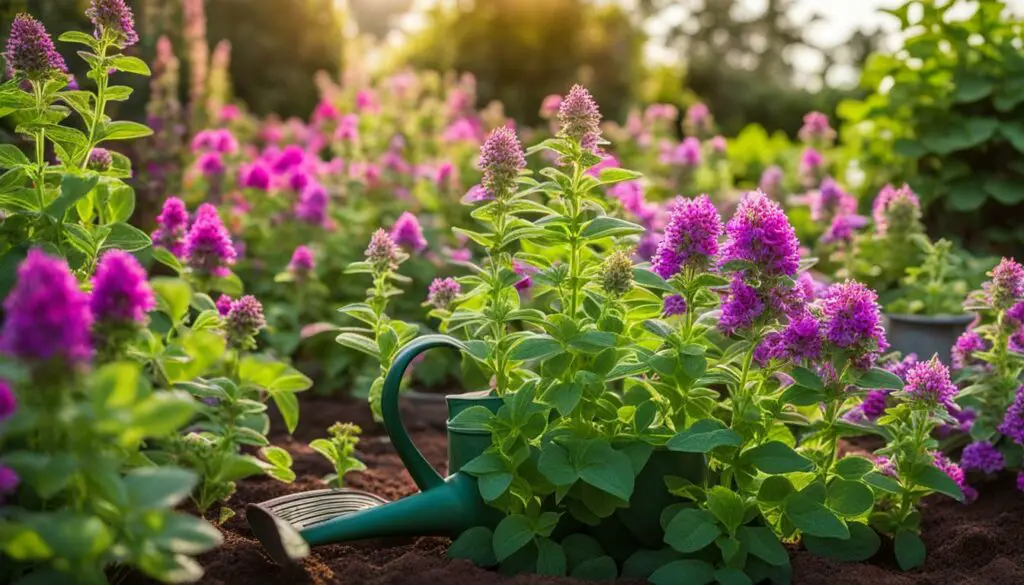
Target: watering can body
445,506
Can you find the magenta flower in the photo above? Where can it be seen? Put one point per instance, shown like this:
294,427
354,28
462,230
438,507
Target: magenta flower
348,128
8,402
47,315
255,176
982,456
816,128
461,130
366,101
875,403
718,145
842,229
741,307
964,348
674,305
1006,286
382,252
550,106
501,158
312,205
211,164
173,223
903,366
1013,421
523,270
215,140
771,182
895,210
852,320
289,158
631,196
407,233
656,113
1020,481
928,383
802,338
955,473
698,118
30,51
442,293
243,321
115,17
760,233
687,153
100,160
691,237
580,118
770,348
120,289
444,174
830,201
223,305
209,250
302,262
811,163
9,481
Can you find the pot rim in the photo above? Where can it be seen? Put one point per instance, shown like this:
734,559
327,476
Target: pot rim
945,319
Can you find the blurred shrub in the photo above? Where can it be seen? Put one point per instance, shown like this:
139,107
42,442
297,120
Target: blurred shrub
947,115
523,50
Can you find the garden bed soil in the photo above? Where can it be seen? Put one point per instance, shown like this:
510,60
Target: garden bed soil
979,544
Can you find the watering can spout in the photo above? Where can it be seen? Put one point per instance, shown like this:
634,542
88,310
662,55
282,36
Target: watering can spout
289,525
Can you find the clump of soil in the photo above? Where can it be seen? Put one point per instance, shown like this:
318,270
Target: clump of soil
977,544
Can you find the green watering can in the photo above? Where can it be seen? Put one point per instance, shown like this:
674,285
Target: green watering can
288,526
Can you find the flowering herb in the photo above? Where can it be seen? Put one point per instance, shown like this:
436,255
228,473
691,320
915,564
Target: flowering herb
339,449
932,288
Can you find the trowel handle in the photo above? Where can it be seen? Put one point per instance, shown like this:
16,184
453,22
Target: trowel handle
425,476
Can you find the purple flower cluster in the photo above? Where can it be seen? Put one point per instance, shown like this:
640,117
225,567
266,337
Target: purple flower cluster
217,140
211,164
852,321
830,201
115,17
312,205
811,163
691,237
442,293
698,119
580,118
802,337
120,290
173,224
501,158
816,128
255,176
30,50
741,307
874,404
631,196
47,315
685,154
8,402
842,228
771,182
550,106
243,321
407,233
760,234
223,305
524,270
100,160
382,252
1006,286
9,481
982,456
302,262
208,248
896,210
1013,421
956,473
929,383
963,350
674,305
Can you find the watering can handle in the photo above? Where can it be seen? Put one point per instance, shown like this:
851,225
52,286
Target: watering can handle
425,476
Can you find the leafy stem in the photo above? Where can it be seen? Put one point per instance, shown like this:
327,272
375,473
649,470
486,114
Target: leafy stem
573,207
102,78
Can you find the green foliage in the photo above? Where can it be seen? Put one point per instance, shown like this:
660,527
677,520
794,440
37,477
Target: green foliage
933,288
339,449
944,115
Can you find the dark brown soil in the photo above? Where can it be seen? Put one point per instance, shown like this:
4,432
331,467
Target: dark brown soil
979,544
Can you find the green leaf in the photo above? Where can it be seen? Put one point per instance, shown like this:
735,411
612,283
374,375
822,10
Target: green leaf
602,568
798,395
861,546
971,87
236,467
555,465
593,340
47,474
474,418
691,530
727,506
910,550
704,436
74,36
1005,191
126,237
157,488
494,485
74,536
187,535
474,545
512,533
811,517
807,379
935,479
11,156
162,414
173,296
853,467
288,405
774,490
732,576
535,347
849,498
648,279
763,544
120,203
564,396
877,378
684,572
550,558
122,130
165,257
72,188
775,457
965,195
22,543
118,93
611,175
605,468
359,342
606,226
883,483
277,456
130,65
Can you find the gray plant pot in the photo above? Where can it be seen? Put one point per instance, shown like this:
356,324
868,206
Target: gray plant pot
926,335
